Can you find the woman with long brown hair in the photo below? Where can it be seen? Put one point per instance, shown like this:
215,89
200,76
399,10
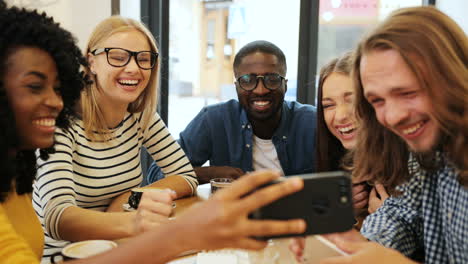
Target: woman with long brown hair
337,130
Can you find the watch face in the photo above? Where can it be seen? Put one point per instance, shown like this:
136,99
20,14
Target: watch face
127,208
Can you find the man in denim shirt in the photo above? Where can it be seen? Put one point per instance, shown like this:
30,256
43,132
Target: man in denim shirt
261,130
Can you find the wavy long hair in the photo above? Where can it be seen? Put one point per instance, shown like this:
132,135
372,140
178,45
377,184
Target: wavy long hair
330,151
436,50
22,28
92,114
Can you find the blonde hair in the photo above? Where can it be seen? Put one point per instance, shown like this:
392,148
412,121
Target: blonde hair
436,50
93,119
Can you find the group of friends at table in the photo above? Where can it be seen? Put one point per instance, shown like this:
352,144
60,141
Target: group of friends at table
393,112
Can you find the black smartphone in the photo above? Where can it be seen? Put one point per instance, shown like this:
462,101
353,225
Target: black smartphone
325,204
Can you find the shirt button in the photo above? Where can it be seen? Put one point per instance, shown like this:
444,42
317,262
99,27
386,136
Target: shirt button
449,215
285,137
247,145
243,126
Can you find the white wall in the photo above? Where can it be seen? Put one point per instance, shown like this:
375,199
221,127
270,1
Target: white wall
456,9
78,16
130,8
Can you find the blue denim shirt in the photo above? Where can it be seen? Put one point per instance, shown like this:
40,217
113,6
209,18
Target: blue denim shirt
222,134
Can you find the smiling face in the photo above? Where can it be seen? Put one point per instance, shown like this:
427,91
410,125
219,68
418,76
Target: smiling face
261,104
337,103
31,84
121,86
399,102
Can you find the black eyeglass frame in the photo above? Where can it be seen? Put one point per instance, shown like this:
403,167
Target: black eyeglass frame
132,54
257,77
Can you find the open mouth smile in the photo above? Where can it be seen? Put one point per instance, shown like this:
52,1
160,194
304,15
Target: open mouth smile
261,105
346,131
128,82
45,124
414,130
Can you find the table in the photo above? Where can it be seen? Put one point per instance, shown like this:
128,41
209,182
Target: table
278,248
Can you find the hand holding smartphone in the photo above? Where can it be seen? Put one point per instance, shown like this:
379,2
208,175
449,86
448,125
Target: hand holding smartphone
325,204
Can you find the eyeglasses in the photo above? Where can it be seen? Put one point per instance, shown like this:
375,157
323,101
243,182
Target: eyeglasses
119,57
271,81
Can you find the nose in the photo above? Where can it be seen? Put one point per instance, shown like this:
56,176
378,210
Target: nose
343,112
53,100
132,65
260,89
395,114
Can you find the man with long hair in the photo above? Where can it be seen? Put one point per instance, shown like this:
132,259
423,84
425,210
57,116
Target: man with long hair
411,83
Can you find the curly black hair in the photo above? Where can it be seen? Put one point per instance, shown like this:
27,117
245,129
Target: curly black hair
26,28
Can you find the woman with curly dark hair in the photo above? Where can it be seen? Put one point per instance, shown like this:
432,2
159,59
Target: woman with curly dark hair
40,81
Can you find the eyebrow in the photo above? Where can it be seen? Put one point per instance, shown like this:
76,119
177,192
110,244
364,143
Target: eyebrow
345,95
392,90
37,74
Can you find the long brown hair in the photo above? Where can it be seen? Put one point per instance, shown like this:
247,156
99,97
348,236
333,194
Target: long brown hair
330,151
436,50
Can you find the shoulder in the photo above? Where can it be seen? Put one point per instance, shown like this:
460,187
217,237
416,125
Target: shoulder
72,132
223,107
300,109
221,111
303,115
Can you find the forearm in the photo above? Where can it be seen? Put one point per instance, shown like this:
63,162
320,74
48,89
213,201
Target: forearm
77,224
157,246
176,183
203,174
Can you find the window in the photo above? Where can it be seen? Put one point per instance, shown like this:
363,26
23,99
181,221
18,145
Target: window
204,37
343,22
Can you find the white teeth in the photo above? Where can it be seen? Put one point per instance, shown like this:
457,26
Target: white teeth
261,103
45,122
412,129
345,129
129,82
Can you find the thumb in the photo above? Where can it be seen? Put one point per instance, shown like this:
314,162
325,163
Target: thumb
373,194
381,190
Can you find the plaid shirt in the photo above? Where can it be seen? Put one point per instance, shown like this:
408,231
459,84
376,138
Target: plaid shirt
429,221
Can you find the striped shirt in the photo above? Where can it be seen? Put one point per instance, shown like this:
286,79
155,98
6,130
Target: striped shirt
89,174
429,221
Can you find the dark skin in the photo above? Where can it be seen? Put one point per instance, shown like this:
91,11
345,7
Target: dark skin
262,105
264,119
205,174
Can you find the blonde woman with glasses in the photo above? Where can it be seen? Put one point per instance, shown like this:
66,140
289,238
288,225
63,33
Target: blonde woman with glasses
97,159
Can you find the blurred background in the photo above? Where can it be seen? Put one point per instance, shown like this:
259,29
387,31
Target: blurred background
199,38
